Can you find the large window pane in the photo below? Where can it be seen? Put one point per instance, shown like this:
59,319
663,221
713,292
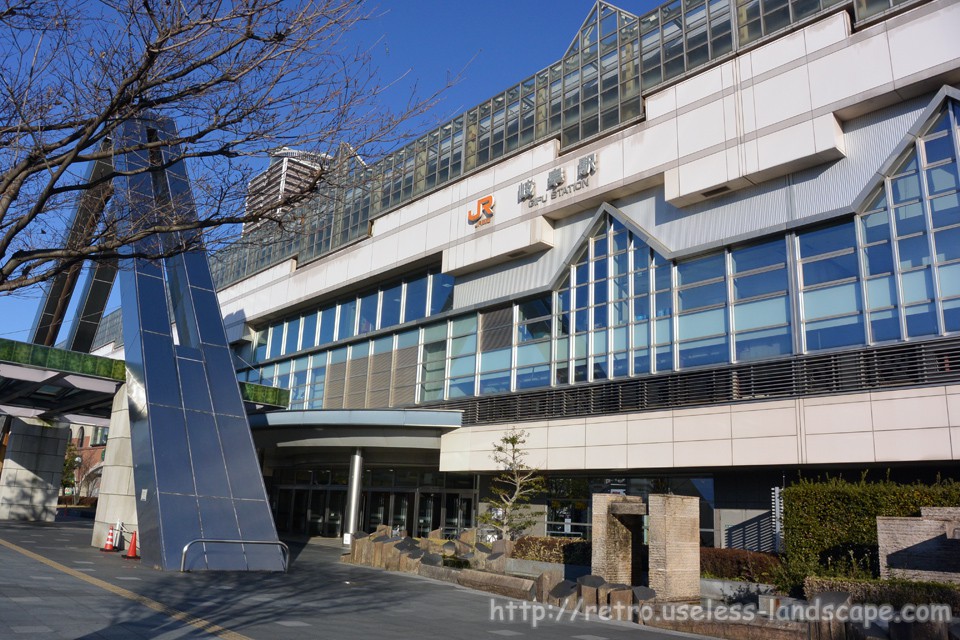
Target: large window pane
702,269
945,210
390,306
917,286
762,313
921,320
348,312
832,301
909,219
292,339
368,312
416,302
762,255
534,353
838,332
769,343
950,280
835,268
948,244
276,340
441,294
309,338
703,352
876,227
879,259
881,293
826,240
760,284
914,252
328,322
885,325
703,323
702,296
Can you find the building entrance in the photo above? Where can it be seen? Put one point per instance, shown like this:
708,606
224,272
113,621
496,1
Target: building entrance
303,507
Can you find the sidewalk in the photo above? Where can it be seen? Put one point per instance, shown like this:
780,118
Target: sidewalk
54,585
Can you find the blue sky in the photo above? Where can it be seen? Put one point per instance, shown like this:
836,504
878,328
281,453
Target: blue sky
492,44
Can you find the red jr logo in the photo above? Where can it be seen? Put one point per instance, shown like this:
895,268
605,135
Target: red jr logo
484,212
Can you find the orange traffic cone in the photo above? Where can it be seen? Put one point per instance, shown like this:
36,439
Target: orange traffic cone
132,551
108,546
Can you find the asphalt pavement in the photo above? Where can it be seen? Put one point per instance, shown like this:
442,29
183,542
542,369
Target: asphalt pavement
54,585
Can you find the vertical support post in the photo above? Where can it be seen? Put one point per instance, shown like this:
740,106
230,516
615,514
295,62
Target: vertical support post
353,496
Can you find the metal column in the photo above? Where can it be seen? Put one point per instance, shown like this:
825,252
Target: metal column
353,496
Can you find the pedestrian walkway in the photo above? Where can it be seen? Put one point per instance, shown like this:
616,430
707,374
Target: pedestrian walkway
54,585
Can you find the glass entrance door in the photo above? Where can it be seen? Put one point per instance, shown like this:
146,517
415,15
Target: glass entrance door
284,509
428,513
378,509
458,514
402,510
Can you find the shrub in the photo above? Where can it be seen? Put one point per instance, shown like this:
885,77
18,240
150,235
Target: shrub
738,564
833,524
894,592
559,550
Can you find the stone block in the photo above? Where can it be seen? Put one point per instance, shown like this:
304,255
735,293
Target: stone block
509,586
496,562
432,560
468,537
446,574
621,605
545,583
391,556
562,593
410,561
589,588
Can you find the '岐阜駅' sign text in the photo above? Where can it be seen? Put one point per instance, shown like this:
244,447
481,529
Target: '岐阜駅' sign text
557,184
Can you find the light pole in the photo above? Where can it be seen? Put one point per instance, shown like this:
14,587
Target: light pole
76,481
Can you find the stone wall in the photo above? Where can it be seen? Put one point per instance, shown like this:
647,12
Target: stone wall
924,548
674,542
617,537
30,480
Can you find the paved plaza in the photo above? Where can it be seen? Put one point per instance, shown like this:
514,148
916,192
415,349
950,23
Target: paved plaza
54,585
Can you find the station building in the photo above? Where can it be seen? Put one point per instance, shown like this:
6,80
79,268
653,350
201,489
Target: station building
712,248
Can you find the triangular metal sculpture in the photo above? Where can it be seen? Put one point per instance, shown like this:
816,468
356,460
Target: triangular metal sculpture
196,475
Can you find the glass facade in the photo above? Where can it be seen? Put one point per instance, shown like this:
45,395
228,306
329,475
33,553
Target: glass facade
597,86
889,273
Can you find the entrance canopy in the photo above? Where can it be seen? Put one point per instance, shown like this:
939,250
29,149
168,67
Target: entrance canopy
352,428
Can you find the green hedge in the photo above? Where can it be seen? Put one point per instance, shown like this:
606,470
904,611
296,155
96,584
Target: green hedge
832,524
738,564
559,550
894,592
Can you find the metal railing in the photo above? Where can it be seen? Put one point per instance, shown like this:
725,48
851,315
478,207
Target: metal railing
284,549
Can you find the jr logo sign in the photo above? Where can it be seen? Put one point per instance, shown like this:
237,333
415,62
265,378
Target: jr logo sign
483,213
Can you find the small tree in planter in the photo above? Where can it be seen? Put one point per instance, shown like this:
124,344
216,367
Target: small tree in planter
509,511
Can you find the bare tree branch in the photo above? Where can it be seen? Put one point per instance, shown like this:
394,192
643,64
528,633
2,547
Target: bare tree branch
238,78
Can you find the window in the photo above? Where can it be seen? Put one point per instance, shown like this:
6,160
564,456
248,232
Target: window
761,305
832,304
701,311
99,436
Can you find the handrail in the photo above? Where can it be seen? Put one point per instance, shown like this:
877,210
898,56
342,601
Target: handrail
285,550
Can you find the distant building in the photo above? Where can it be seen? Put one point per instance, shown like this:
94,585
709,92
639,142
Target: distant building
290,173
